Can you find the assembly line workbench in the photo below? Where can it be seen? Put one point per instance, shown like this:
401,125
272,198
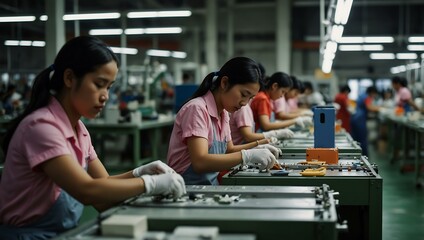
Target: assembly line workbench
271,212
356,180
296,146
99,128
408,130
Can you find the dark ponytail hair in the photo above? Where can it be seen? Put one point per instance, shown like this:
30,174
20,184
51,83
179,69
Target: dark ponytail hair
282,79
239,70
82,55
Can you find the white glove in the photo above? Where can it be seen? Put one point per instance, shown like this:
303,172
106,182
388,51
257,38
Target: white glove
276,151
273,140
261,158
303,121
308,113
164,184
280,133
156,167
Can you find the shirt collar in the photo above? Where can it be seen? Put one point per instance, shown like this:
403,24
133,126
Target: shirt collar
60,115
211,106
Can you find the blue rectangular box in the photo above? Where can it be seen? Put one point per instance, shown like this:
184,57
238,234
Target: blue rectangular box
324,120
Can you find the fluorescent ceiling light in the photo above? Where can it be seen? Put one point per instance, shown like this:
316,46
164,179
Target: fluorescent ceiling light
413,66
91,16
136,31
350,47
133,31
164,30
396,70
44,18
371,47
158,53
177,54
166,53
405,56
416,39
331,46
11,43
382,56
326,65
351,40
156,14
130,51
342,11
24,43
115,31
336,33
18,19
38,43
386,39
415,47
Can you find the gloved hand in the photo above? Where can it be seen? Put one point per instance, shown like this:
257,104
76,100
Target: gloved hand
308,113
303,121
261,158
273,140
164,184
280,133
276,151
156,167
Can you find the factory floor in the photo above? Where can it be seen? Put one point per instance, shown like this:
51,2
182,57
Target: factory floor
403,203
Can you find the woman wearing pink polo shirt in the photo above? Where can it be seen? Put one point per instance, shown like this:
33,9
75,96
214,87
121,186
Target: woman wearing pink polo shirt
403,96
51,168
201,143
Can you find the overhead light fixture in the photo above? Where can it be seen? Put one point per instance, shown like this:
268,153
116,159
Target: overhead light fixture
136,31
129,51
91,16
157,14
380,39
326,65
164,30
177,54
351,40
370,47
44,18
336,32
415,47
406,56
166,53
342,11
115,31
416,39
18,19
24,43
403,68
382,56
383,39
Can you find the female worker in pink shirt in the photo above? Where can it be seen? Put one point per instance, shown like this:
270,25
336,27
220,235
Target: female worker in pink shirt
201,143
51,168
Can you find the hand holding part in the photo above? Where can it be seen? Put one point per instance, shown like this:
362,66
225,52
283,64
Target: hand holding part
276,151
164,184
261,158
156,167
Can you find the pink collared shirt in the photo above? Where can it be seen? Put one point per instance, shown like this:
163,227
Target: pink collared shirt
195,118
241,118
292,105
402,96
26,193
280,105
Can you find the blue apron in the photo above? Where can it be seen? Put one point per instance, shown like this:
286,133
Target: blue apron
62,216
193,178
